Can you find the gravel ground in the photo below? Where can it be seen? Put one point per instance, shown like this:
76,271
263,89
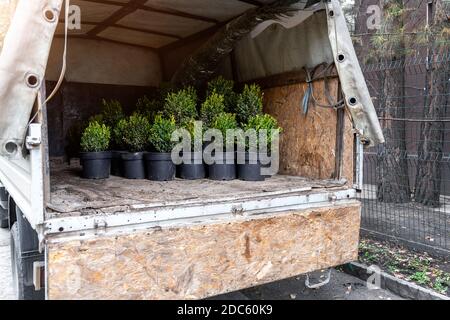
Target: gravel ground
341,286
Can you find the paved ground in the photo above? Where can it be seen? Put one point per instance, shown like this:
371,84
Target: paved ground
341,286
6,291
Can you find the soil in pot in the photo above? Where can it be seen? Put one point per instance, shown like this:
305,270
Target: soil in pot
192,170
251,169
96,165
133,165
225,170
116,163
159,166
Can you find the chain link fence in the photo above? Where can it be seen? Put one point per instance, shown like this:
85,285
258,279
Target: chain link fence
406,190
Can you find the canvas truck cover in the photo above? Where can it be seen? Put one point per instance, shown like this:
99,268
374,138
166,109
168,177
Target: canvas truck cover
23,60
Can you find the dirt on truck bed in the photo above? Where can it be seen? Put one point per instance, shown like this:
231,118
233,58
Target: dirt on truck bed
71,195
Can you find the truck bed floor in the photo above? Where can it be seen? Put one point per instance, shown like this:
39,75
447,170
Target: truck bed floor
74,196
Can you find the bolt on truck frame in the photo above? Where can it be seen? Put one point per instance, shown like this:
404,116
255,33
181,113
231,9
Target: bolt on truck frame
82,239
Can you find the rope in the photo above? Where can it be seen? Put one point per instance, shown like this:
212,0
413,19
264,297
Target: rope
64,60
64,63
309,94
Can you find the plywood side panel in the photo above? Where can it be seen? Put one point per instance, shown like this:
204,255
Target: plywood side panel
206,259
308,142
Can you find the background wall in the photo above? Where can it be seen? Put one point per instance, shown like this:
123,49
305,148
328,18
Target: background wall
93,61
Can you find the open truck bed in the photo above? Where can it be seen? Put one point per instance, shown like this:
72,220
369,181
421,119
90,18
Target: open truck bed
128,239
73,196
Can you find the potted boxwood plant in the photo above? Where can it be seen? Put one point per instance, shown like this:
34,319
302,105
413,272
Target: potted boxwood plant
249,162
112,113
195,168
95,158
224,87
181,105
159,164
249,103
149,108
225,168
213,106
135,137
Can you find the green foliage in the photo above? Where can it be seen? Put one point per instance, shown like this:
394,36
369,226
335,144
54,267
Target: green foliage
112,112
193,131
193,93
211,108
149,108
181,105
263,122
224,87
95,118
95,138
134,132
223,122
117,134
164,89
420,277
161,133
249,103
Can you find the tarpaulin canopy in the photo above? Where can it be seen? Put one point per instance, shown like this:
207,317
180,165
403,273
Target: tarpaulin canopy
160,26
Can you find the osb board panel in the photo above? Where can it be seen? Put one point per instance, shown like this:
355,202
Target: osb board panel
203,260
74,196
348,154
308,142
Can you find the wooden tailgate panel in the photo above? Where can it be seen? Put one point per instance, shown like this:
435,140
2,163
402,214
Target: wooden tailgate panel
203,260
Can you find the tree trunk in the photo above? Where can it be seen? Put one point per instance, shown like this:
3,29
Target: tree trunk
428,176
392,166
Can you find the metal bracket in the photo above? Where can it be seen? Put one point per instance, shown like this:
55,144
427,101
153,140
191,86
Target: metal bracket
320,284
33,142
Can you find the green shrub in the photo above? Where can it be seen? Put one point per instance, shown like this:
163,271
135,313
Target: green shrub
135,132
149,108
224,87
161,133
211,108
223,122
95,118
249,103
95,138
263,122
181,105
194,131
164,89
193,93
112,112
117,134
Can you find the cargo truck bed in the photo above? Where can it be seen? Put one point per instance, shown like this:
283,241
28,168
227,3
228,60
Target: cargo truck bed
74,196
139,239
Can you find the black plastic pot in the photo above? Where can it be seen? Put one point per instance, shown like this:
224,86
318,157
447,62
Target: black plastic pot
192,171
117,163
159,166
250,170
133,165
225,170
96,165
